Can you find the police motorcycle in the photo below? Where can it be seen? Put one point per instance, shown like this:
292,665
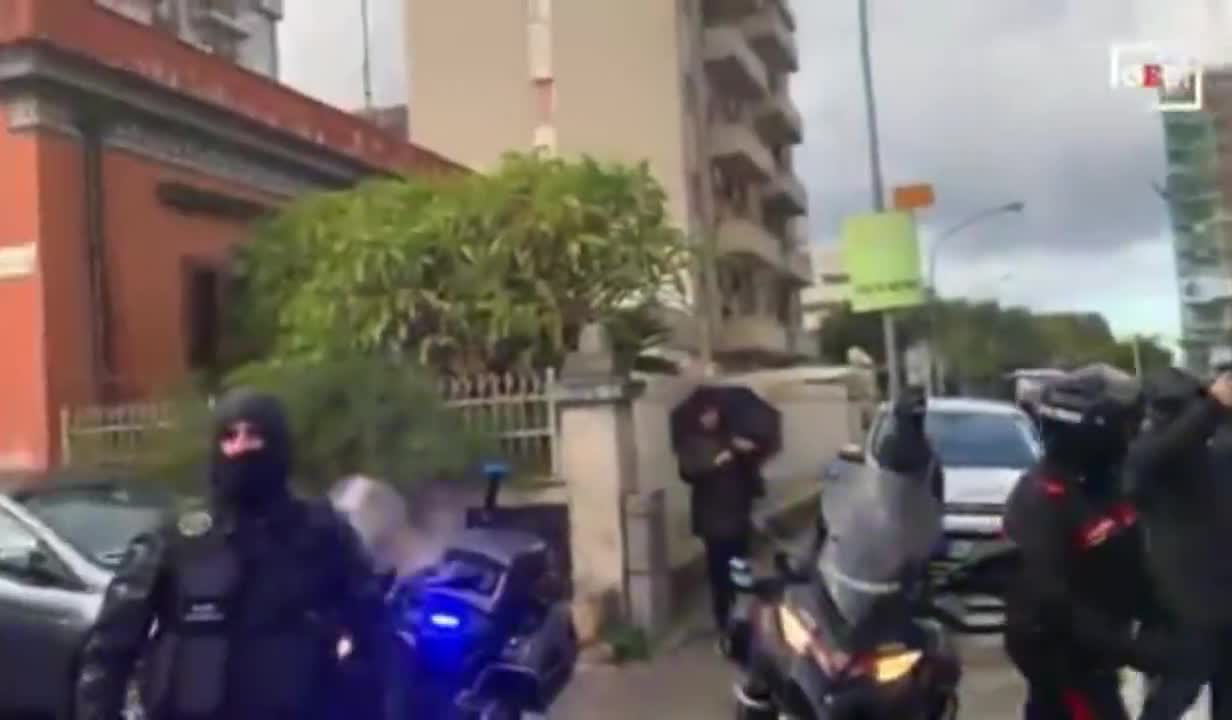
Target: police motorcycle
489,626
860,630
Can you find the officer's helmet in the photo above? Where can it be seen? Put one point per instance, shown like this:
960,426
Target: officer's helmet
1090,414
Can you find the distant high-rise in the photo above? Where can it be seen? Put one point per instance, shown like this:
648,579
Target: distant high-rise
696,88
243,31
1199,195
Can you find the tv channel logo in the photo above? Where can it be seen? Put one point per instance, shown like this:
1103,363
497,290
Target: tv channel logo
1176,78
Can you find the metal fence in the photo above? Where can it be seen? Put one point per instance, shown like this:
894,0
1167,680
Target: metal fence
518,410
111,434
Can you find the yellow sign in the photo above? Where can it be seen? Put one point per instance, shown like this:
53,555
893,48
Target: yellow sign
881,253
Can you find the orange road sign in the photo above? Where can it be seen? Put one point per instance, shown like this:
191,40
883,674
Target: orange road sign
914,197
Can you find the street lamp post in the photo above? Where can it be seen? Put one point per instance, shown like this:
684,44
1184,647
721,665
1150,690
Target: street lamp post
367,47
933,252
878,187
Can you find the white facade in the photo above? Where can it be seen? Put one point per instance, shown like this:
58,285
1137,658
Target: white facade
829,289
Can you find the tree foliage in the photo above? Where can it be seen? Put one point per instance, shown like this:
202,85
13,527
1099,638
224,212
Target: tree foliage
348,415
461,273
980,341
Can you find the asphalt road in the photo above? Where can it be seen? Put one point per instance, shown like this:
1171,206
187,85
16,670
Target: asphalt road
693,683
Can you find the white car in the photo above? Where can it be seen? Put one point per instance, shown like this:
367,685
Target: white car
985,446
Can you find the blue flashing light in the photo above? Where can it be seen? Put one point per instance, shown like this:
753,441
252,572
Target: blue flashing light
444,620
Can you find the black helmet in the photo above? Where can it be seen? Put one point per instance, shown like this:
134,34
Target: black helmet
1089,416
1169,391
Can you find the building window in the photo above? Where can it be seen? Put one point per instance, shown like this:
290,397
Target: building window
738,289
786,302
539,10
203,331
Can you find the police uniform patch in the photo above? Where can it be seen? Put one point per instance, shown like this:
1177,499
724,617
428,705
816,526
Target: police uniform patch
195,524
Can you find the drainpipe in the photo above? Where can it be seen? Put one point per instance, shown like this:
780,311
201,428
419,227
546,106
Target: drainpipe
98,311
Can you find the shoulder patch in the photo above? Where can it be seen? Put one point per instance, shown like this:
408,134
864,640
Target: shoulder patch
195,524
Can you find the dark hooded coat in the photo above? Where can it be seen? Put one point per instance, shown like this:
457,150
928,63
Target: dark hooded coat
247,602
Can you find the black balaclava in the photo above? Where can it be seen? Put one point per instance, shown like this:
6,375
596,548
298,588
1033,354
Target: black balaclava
256,480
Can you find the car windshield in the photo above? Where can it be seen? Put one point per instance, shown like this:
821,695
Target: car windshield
974,439
98,523
982,440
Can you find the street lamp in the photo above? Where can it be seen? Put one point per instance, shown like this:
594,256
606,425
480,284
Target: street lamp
933,252
1006,209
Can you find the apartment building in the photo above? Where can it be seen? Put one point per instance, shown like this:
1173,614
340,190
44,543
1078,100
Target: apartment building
243,31
697,88
830,289
1199,196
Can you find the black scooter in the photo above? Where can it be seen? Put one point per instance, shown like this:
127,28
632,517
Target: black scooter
488,627
805,659
860,629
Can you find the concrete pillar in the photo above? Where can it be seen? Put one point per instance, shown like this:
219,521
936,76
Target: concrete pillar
649,575
598,461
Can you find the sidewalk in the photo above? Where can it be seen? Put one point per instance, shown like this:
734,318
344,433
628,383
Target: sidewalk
692,682
686,680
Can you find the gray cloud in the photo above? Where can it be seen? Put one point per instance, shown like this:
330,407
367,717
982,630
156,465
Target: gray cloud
990,107
322,50
989,101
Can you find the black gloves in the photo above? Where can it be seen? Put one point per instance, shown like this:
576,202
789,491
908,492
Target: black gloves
1158,650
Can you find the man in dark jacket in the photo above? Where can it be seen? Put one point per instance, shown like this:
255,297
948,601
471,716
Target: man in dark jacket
1072,613
260,608
905,447
1178,479
721,471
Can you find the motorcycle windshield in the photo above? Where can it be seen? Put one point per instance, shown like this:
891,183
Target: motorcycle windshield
883,528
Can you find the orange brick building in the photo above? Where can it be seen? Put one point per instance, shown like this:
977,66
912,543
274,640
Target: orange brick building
130,163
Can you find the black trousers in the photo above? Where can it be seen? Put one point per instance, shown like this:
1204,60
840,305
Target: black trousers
719,554
1171,694
1169,697
1059,690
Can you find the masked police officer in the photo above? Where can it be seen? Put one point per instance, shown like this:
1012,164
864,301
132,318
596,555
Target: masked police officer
1072,616
262,606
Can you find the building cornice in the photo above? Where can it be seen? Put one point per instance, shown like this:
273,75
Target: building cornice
49,89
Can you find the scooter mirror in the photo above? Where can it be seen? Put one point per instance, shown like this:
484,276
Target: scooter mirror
496,471
741,573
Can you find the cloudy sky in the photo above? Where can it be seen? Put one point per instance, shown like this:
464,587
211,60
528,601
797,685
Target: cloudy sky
992,102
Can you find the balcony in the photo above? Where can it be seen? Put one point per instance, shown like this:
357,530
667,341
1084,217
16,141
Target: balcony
739,152
778,120
732,65
785,194
773,40
1205,289
717,11
799,267
752,335
740,236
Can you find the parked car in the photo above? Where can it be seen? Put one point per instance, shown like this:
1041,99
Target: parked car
985,446
60,542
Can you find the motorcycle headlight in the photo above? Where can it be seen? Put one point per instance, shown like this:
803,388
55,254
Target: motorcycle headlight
888,668
799,633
